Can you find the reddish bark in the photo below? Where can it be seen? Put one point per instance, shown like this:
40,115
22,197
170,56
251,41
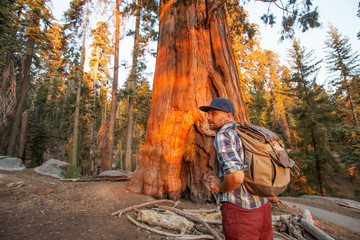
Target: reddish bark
195,63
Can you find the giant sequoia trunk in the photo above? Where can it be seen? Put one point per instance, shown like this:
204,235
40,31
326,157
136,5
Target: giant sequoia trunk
195,63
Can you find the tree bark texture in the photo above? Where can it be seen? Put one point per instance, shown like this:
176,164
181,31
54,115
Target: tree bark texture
23,131
195,63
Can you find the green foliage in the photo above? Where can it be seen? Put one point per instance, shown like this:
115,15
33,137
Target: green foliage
344,64
72,172
295,13
312,111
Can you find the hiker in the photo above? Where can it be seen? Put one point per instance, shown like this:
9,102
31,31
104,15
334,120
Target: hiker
244,215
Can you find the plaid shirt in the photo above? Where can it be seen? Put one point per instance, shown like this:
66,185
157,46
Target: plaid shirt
230,154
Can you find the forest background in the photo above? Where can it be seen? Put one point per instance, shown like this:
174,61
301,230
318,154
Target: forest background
58,98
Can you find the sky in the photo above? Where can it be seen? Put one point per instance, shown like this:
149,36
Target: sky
341,13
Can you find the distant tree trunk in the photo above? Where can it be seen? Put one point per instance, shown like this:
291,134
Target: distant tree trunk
78,95
318,167
23,130
195,63
25,74
132,85
94,73
280,119
108,156
356,121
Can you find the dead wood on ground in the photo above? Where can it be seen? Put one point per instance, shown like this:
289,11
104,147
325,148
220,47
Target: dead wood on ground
175,236
285,226
98,178
142,205
308,224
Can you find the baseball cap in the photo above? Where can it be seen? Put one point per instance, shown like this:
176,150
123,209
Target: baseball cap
221,104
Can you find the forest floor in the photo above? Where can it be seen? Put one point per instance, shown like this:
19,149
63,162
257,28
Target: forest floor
34,206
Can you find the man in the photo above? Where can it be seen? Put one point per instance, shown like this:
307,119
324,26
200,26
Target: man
244,215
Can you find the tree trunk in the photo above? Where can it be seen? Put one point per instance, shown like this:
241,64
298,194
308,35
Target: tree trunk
108,156
279,118
318,167
356,121
132,85
195,63
78,95
94,73
20,102
23,130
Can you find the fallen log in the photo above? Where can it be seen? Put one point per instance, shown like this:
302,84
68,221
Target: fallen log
308,224
167,220
120,212
349,205
193,218
175,236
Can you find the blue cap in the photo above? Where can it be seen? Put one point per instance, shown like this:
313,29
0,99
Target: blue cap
221,104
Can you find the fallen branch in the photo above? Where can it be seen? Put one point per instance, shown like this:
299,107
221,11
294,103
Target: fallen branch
292,229
210,221
175,236
120,212
201,210
276,218
308,224
98,179
193,218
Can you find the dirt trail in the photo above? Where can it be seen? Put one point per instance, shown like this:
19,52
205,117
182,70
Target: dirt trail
352,224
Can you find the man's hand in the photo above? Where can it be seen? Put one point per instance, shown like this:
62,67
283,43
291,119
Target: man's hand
231,181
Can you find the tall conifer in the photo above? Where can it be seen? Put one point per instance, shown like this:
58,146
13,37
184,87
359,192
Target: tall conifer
312,113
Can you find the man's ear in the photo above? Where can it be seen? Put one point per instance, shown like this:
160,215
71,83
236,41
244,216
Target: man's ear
229,117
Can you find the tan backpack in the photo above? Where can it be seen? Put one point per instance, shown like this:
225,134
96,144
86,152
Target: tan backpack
268,163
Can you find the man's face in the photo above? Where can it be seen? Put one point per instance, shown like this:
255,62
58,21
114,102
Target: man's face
218,118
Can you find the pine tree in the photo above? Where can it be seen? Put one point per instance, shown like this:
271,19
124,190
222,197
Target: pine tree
33,18
49,88
75,31
100,76
312,113
107,155
143,33
345,63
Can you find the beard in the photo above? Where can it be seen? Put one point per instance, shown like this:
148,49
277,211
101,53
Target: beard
214,126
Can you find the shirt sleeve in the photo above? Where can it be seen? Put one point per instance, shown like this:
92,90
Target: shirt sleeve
230,152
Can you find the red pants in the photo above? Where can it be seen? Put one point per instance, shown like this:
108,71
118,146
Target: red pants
246,224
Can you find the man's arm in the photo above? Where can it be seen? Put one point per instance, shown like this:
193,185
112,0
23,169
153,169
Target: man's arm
231,181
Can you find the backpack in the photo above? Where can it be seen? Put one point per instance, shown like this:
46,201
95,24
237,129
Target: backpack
269,165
